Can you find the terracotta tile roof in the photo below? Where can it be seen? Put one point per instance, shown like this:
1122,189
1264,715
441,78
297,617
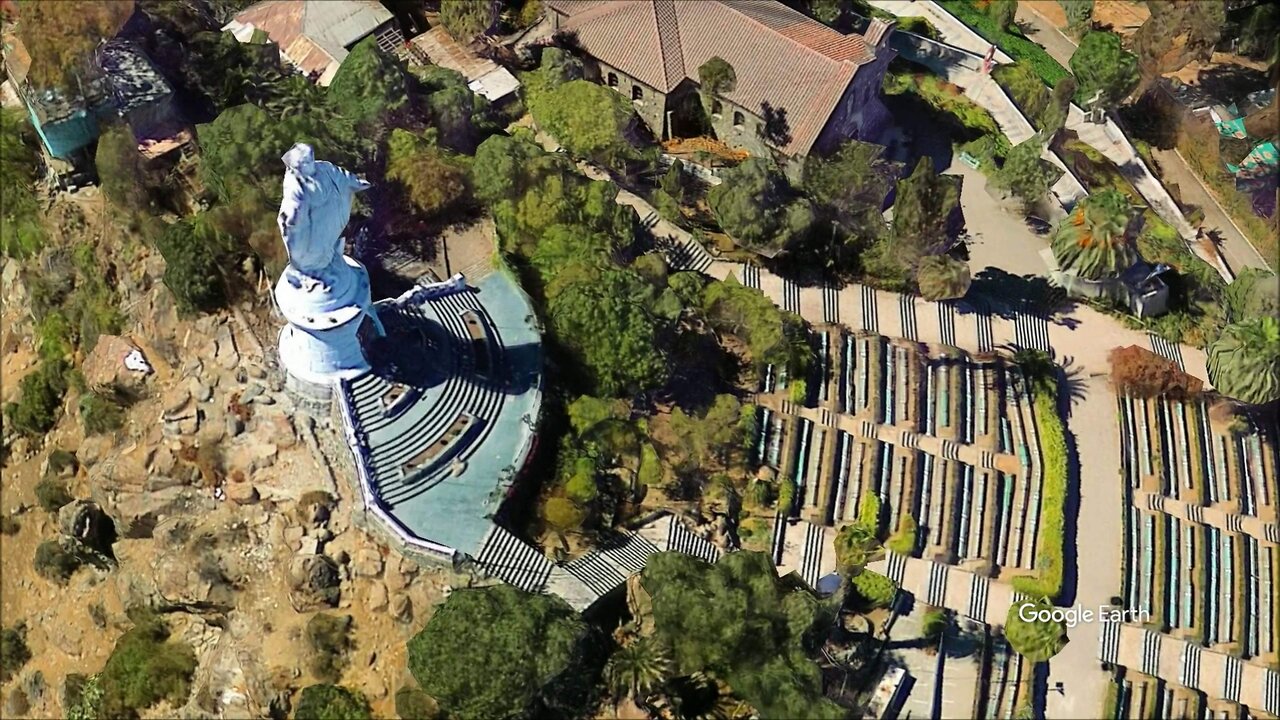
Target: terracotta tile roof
314,34
780,56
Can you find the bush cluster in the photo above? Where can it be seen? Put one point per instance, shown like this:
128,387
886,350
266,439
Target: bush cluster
876,589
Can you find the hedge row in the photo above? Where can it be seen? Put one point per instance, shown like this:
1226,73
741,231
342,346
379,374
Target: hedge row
1017,46
1047,582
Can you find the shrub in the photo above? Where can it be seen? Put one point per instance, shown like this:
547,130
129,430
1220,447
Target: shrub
144,669
1037,640
903,541
874,588
83,697
330,641
40,402
14,652
56,561
9,525
786,495
60,460
869,510
52,494
413,704
1047,582
332,702
1026,88
193,252
100,413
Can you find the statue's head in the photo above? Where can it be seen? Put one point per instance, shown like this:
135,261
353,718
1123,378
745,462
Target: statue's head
301,159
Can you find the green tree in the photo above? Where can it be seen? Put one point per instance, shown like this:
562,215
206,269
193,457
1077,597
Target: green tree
39,403
1025,87
1101,64
332,702
1079,13
563,514
1254,293
924,211
635,669
465,19
758,208
370,86
1176,33
61,36
1054,117
536,641
1094,239
1025,173
413,704
14,652
459,115
227,72
193,253
121,172
773,337
935,625
145,668
432,179
942,277
1244,362
21,233
1002,12
853,182
717,77
738,620
603,316
854,545
1036,639
591,121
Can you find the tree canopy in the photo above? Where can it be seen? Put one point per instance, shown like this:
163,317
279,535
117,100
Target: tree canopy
772,336
60,36
497,652
1244,362
21,233
853,182
924,211
589,120
1177,32
433,180
1101,64
1025,173
717,76
738,620
370,85
465,19
758,208
332,702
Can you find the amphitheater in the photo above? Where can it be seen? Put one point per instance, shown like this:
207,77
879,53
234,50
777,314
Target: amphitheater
1202,545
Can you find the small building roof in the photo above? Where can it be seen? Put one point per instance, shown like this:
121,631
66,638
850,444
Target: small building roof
133,80
780,56
484,76
313,34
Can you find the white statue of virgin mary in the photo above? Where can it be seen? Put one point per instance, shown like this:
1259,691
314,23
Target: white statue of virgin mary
313,213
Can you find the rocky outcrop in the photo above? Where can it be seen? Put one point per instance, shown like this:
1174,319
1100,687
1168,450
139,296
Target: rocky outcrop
314,583
85,522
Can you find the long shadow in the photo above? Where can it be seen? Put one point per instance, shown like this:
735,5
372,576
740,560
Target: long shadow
1002,293
1071,505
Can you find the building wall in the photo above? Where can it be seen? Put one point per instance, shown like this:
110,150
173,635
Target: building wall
652,105
744,135
860,114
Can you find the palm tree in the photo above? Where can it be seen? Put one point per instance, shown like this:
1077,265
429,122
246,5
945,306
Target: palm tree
1244,362
1094,240
637,668
942,277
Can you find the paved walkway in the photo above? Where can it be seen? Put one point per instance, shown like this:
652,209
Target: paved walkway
1235,247
1106,138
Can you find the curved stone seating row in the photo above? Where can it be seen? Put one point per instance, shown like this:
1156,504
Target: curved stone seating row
428,432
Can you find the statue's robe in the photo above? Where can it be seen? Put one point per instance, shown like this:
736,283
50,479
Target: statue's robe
313,213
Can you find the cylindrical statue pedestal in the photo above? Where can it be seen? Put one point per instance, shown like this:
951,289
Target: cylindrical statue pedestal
321,344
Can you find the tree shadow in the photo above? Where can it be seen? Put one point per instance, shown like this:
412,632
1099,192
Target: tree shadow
1002,293
1072,384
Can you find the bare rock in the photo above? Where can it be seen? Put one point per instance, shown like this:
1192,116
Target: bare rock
313,582
16,704
161,461
376,600
367,563
200,390
309,546
242,493
175,402
137,513
235,425
401,608
85,521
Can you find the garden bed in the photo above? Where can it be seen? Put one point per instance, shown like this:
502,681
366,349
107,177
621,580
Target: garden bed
1015,44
